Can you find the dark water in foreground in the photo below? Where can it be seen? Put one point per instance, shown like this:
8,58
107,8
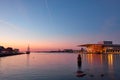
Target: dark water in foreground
44,66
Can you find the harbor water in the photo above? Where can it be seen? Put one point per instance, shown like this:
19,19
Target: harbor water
60,66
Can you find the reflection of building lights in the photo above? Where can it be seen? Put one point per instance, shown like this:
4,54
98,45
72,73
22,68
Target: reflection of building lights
101,59
90,58
110,60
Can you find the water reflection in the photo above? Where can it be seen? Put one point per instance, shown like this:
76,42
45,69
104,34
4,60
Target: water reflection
0,62
101,65
27,61
60,67
110,61
99,60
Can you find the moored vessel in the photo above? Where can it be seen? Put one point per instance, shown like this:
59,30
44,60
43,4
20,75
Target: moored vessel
28,50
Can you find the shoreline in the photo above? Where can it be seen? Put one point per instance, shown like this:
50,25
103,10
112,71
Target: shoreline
10,54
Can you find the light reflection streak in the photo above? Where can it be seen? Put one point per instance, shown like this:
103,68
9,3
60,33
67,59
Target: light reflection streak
101,59
110,61
90,59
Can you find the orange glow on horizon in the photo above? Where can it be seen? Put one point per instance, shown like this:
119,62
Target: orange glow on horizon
34,46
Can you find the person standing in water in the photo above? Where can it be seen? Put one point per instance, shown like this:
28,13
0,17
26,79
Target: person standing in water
79,61
79,73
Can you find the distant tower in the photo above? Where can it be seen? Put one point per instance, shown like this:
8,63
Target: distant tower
28,50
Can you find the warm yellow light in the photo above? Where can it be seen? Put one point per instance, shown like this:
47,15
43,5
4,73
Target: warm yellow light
110,60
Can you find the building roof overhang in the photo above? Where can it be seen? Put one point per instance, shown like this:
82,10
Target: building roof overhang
104,45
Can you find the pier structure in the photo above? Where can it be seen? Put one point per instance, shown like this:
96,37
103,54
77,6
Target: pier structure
102,47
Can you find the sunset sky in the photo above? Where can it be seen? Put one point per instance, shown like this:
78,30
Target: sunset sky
58,24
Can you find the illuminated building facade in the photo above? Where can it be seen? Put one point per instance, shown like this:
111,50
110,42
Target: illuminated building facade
102,47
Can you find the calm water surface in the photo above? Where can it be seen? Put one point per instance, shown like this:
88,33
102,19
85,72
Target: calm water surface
54,66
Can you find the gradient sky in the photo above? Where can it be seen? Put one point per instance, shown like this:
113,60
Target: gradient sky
58,24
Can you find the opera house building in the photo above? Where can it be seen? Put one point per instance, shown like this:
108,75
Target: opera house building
102,47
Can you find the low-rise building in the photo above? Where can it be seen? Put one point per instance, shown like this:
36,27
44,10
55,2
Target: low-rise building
8,50
16,50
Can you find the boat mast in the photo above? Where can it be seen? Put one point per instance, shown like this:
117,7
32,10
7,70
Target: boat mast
28,49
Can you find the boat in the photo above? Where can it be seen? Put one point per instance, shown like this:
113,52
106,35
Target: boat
28,50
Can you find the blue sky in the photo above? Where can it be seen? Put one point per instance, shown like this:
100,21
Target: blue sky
62,23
